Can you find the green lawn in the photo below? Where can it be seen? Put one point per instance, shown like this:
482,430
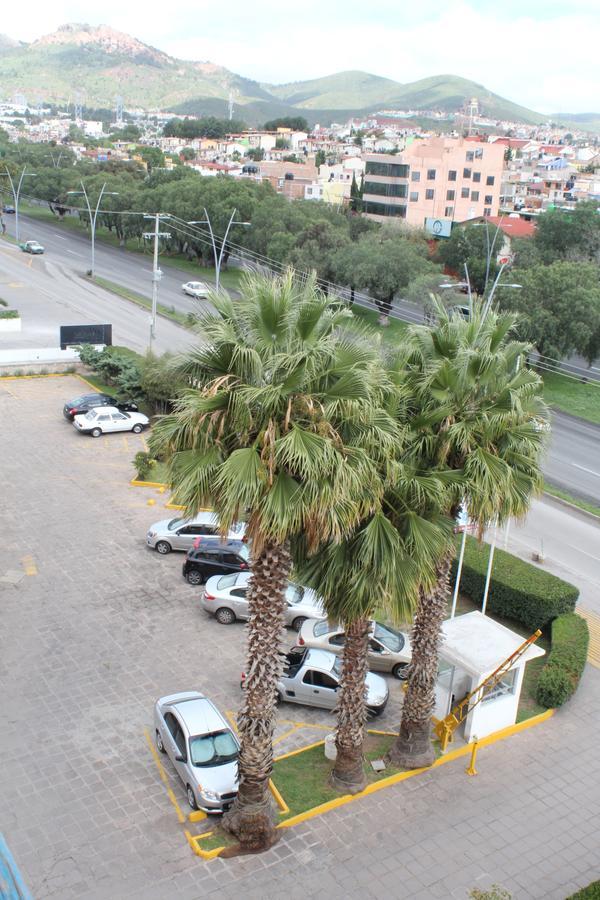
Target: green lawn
184,319
389,333
564,495
572,396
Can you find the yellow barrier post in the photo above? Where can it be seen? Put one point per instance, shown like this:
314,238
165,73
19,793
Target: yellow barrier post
471,770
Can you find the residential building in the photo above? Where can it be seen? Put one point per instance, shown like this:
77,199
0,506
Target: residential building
439,178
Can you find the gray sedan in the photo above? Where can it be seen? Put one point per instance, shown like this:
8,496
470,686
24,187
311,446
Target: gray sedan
201,746
180,534
389,650
225,598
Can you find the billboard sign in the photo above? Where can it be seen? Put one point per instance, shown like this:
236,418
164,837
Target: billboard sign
438,227
85,334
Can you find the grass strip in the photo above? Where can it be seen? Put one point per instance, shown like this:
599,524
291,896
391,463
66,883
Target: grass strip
183,319
571,396
564,495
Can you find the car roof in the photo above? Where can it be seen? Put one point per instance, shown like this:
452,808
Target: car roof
320,659
213,543
199,715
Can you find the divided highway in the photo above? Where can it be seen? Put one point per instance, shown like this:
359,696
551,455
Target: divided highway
51,291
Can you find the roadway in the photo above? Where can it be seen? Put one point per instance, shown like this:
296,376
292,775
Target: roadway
572,461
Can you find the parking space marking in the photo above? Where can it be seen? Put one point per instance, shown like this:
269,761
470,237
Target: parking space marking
29,565
593,620
164,777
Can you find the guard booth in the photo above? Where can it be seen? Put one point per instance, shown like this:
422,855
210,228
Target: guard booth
473,648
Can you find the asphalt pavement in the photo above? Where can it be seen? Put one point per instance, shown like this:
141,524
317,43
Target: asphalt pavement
573,458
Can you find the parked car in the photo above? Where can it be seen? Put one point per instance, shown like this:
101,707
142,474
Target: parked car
8,209
225,598
80,405
105,419
31,247
389,650
312,677
202,747
181,534
195,289
213,556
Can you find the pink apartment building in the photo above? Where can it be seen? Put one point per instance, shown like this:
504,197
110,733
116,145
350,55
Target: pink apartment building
441,178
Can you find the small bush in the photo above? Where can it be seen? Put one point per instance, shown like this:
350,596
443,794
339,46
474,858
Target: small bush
591,892
495,892
518,590
144,463
10,314
566,662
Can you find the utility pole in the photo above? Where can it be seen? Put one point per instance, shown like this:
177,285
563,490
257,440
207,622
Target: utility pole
156,272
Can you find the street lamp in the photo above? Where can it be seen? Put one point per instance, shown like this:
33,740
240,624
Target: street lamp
156,272
93,216
16,193
218,256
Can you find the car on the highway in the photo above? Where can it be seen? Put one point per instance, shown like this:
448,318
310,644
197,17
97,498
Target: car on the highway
224,597
181,534
202,747
195,289
213,556
312,677
106,419
80,405
389,649
9,210
31,247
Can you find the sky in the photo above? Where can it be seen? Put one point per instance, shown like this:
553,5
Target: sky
543,55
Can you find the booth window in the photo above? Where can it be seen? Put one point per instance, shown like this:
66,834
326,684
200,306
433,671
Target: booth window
506,685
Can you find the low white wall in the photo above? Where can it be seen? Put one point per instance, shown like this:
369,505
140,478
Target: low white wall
10,324
40,354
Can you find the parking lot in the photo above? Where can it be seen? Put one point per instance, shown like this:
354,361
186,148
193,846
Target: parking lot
96,627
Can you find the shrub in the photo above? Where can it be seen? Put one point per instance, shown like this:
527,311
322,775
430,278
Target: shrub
518,590
144,463
561,674
118,366
495,892
591,892
10,314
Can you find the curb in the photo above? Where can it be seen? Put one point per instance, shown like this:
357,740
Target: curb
572,507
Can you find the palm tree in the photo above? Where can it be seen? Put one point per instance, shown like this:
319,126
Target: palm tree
475,411
273,428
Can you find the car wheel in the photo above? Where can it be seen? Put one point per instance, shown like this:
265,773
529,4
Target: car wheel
194,577
225,616
375,712
137,428
163,547
400,671
159,742
96,432
191,797
298,622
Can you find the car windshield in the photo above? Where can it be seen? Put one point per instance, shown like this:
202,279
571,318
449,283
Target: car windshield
389,637
244,552
227,581
213,749
76,401
337,666
321,627
91,414
294,594
175,523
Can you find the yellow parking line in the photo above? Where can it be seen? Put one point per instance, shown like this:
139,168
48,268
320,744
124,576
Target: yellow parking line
593,620
164,778
232,718
29,565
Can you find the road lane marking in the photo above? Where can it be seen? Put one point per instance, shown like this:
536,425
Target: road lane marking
73,252
29,565
61,237
584,469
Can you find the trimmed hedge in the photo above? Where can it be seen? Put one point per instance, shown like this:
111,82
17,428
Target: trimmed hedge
591,892
518,590
561,674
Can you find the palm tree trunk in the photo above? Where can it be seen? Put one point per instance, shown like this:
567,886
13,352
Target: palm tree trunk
348,773
413,747
252,817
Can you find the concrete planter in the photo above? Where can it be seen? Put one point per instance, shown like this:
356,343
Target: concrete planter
10,324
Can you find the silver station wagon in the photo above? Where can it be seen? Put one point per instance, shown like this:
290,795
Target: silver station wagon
180,534
201,746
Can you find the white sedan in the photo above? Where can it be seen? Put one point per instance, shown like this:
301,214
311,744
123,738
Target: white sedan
103,419
195,289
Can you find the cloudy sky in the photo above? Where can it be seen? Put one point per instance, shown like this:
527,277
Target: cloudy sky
543,54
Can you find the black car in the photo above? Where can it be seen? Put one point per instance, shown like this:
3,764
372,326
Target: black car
213,556
8,209
80,405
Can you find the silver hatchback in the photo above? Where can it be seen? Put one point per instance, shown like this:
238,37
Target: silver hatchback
201,746
225,598
180,534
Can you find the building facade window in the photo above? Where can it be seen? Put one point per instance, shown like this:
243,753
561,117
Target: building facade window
430,174
388,170
415,176
414,196
488,199
464,193
475,196
450,195
489,180
449,212
466,173
429,194
385,189
476,176
384,209
487,211
452,175
470,156
479,153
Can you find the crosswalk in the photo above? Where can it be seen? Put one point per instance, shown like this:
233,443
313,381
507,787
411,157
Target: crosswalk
593,620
